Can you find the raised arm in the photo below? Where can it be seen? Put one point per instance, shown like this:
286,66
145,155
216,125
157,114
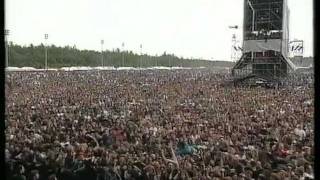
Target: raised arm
95,140
174,159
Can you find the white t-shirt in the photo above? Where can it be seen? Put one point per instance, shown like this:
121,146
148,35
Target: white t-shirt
300,132
308,175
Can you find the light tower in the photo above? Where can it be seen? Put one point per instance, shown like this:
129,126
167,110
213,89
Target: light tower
140,57
46,36
123,54
265,41
6,34
234,46
170,63
102,63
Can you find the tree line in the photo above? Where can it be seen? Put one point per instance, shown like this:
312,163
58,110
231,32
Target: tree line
33,56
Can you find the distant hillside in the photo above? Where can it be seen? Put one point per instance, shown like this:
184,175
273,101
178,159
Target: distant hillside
33,56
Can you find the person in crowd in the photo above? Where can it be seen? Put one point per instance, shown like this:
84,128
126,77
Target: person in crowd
156,124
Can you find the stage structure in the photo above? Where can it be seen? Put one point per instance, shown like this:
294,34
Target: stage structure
265,41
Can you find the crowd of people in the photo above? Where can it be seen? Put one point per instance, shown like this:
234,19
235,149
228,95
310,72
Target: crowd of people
156,125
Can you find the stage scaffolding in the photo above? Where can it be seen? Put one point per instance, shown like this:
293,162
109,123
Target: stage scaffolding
265,42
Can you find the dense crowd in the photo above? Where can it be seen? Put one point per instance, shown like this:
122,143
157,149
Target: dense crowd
156,124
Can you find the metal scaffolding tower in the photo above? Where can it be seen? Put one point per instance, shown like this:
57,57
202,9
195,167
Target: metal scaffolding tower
266,41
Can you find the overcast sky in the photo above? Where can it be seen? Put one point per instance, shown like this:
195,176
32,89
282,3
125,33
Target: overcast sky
188,28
